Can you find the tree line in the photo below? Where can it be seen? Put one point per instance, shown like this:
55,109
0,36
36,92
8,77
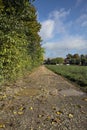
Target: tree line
72,59
20,48
76,59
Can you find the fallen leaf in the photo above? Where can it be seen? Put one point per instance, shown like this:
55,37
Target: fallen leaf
54,108
39,127
48,117
58,120
15,112
53,121
83,112
4,96
2,125
21,108
31,108
31,129
85,99
59,112
70,115
39,116
20,112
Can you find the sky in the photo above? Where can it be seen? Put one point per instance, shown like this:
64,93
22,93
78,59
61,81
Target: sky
64,26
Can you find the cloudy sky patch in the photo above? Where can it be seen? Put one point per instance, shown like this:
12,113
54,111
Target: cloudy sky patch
64,27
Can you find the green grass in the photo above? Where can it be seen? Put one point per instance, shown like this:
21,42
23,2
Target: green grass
77,74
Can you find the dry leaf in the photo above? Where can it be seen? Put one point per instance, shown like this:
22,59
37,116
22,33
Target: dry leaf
85,99
83,112
70,115
14,112
48,117
59,112
21,108
2,125
20,112
54,121
39,116
39,127
31,108
4,96
54,108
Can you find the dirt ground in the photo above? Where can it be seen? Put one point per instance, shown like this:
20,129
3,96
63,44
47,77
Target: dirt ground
43,101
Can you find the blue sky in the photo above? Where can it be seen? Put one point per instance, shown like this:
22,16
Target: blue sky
64,26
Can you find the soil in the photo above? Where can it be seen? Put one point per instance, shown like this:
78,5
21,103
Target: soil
42,100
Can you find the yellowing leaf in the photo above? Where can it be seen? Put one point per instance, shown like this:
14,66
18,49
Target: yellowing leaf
31,129
2,125
4,96
54,108
14,112
39,127
48,117
20,112
85,99
52,122
59,112
70,115
39,116
31,108
21,108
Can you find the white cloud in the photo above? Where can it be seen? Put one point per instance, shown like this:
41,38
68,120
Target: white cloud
59,20
47,29
69,43
59,40
61,14
54,24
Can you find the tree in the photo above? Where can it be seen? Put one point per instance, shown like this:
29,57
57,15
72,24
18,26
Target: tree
69,56
83,59
76,56
58,60
20,47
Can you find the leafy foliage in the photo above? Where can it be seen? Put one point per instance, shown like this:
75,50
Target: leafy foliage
76,59
58,60
20,47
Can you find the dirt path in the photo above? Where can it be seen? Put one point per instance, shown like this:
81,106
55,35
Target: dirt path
43,101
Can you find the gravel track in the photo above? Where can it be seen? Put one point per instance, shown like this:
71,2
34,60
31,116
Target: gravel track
43,100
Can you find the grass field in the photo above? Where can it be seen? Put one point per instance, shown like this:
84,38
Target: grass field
77,74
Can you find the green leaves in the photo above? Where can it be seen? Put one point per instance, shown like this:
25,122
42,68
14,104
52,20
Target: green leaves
20,47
